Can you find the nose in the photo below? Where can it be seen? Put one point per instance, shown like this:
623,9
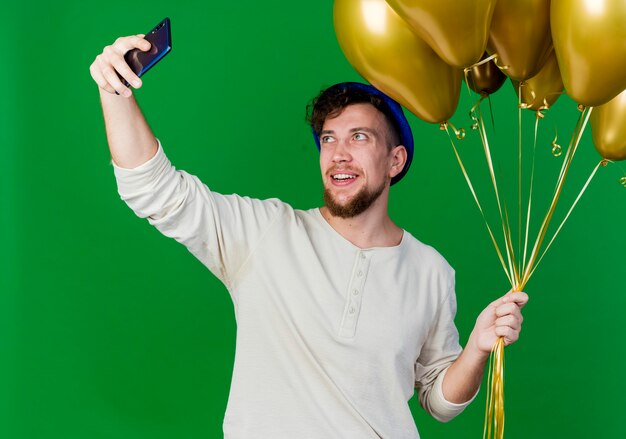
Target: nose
341,152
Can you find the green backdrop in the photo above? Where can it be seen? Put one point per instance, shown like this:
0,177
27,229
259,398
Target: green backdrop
109,330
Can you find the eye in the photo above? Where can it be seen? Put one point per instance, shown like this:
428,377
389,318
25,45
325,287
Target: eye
360,136
327,139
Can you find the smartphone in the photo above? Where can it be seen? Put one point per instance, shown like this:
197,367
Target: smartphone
160,39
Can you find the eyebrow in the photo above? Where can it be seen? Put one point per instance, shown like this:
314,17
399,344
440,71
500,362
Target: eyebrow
365,129
352,130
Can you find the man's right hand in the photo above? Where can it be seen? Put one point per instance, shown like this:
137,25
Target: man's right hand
105,68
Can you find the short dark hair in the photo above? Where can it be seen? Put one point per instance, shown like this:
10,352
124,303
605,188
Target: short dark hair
333,100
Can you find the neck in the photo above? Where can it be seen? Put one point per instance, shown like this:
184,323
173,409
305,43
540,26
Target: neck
372,228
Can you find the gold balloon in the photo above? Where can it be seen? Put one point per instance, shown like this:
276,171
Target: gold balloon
543,89
520,35
385,51
456,30
485,78
590,43
608,128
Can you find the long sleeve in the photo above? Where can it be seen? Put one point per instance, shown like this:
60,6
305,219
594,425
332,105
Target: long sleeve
219,230
438,353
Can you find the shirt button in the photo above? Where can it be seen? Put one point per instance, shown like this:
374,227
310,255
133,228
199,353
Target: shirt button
355,292
360,273
363,256
351,310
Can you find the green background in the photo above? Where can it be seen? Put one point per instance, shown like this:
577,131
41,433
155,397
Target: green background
109,330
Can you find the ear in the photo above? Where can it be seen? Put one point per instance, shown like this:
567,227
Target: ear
398,156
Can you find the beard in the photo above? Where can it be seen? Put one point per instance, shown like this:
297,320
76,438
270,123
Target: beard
357,205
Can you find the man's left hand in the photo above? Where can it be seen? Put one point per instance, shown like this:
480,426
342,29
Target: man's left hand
502,318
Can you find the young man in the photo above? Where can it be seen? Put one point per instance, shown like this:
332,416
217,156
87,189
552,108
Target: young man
340,313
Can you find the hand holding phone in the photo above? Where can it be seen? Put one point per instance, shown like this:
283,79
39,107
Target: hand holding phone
160,39
130,57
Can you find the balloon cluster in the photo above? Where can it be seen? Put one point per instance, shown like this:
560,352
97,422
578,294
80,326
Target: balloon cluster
417,51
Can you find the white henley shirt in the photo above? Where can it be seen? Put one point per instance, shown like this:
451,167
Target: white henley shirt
332,339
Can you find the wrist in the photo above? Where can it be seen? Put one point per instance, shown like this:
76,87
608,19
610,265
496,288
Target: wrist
474,351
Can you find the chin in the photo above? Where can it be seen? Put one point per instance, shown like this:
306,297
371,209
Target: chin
353,206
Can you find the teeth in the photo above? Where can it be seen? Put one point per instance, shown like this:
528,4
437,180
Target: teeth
343,176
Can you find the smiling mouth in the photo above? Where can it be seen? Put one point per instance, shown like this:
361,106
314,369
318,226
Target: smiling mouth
343,177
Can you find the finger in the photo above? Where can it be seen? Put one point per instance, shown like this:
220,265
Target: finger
116,52
114,80
497,302
109,75
125,71
519,297
509,320
99,79
97,69
509,334
142,44
125,44
508,308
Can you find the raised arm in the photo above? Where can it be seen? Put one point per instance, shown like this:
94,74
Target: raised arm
130,139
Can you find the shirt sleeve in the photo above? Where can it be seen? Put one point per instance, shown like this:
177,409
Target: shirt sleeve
440,350
220,230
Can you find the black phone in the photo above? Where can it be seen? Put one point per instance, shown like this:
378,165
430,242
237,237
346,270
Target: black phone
160,39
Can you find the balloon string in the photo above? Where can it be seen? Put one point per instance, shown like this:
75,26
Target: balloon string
513,273
545,104
494,410
556,148
482,61
533,95
468,78
480,208
560,179
475,107
472,115
494,415
524,105
501,67
495,57
569,155
488,405
530,193
460,133
582,191
519,177
509,242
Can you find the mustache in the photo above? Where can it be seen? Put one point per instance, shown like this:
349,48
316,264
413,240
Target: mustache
339,168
